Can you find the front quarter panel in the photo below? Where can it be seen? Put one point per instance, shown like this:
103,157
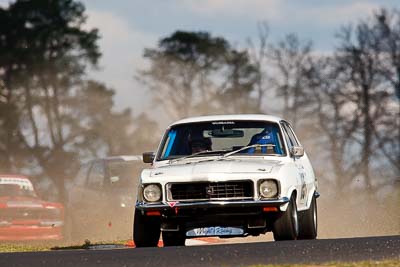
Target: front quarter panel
289,180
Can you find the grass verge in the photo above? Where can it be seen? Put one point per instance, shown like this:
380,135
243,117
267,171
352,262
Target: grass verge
39,246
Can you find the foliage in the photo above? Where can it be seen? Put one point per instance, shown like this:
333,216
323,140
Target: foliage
51,118
196,73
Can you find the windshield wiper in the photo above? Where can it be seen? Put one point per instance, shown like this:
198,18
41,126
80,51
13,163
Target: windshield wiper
198,153
246,147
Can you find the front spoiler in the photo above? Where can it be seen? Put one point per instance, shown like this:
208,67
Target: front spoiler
211,204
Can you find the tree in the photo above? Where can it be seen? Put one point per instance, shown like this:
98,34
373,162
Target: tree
258,53
334,122
51,119
355,103
241,78
195,73
98,130
181,70
44,52
387,29
289,58
359,58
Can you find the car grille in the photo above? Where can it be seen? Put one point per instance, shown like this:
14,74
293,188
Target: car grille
210,191
28,214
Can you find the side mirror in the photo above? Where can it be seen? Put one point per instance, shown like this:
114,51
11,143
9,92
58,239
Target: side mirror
297,151
114,179
148,157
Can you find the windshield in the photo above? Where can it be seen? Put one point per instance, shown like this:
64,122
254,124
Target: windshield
219,137
16,190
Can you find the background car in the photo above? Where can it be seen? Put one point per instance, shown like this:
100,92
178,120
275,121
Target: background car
23,215
100,199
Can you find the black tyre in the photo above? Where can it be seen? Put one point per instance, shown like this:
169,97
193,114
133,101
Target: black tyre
286,227
173,238
308,224
146,230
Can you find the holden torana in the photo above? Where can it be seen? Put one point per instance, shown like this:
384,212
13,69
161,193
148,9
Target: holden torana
226,176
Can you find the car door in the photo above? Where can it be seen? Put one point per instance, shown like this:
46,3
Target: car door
298,162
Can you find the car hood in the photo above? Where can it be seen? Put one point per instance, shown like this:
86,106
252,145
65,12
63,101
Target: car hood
206,168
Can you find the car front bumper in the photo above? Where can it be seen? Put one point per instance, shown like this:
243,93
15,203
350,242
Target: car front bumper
146,206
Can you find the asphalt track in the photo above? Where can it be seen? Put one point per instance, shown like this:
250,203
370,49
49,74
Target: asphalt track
289,252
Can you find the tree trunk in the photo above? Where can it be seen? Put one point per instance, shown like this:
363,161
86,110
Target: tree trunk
367,132
9,120
29,109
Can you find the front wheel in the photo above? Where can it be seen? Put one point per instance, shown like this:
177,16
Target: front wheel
286,227
146,230
308,221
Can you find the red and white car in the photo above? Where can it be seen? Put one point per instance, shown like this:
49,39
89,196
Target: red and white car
24,216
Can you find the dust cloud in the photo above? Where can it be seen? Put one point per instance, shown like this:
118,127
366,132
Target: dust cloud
352,212
357,213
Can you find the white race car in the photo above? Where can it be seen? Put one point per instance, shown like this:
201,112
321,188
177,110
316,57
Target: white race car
226,176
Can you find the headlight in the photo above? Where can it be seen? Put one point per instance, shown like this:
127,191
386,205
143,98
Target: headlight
269,189
152,193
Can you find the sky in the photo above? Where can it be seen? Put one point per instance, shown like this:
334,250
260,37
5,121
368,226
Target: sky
127,27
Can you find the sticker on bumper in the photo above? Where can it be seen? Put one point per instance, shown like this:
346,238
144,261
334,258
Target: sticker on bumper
215,231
